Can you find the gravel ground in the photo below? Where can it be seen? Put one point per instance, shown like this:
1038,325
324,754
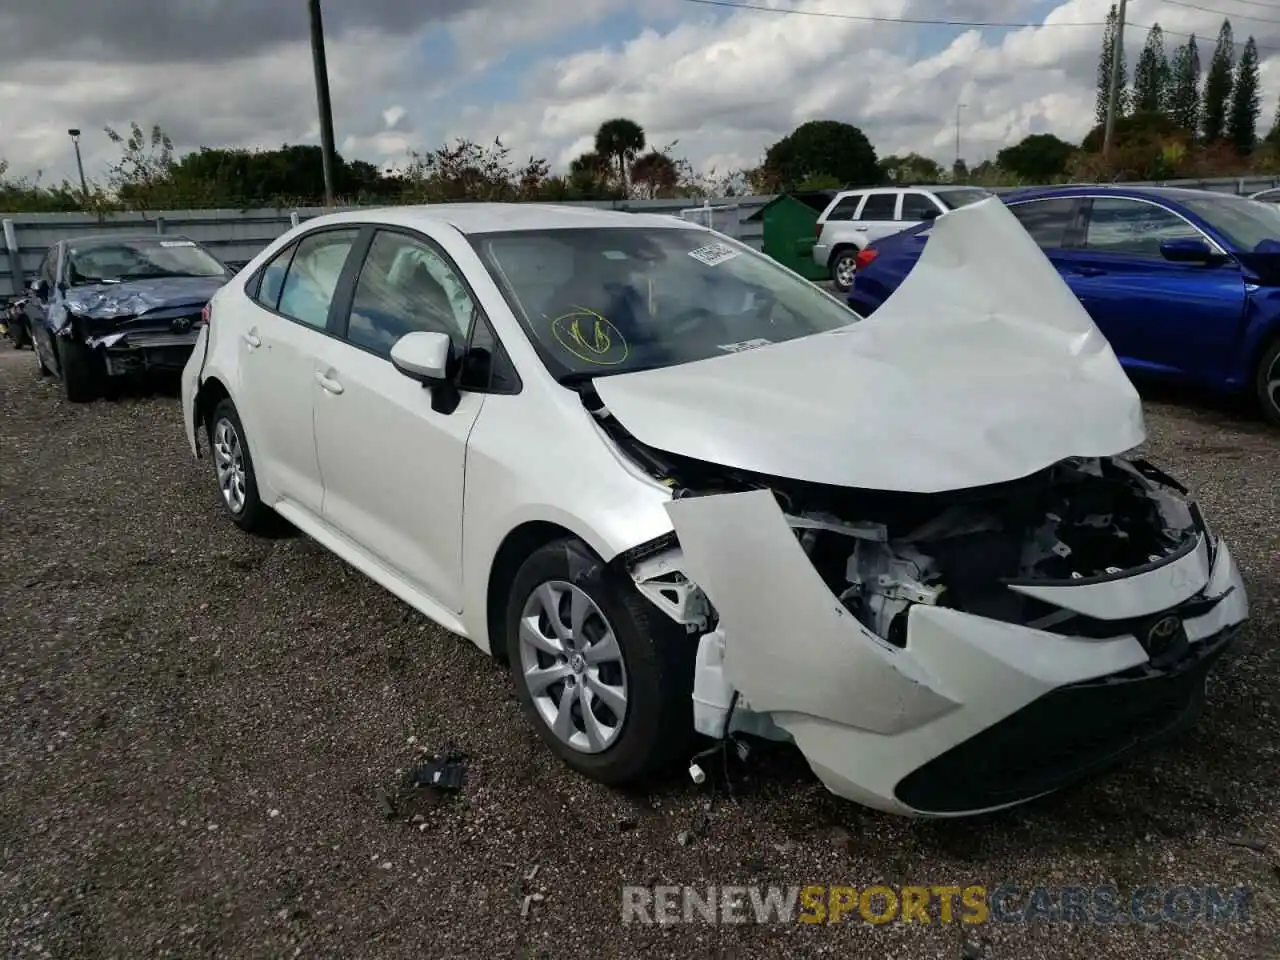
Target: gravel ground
204,734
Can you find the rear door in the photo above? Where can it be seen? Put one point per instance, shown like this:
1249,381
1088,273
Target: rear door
916,208
837,227
1163,317
280,340
878,216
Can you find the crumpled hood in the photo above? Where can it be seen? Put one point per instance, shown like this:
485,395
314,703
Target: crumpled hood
135,297
981,368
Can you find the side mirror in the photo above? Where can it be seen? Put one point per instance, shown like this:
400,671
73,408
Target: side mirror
427,356
930,215
423,356
41,289
1186,250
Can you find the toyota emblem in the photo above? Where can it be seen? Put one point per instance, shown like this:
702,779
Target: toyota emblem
1162,633
182,325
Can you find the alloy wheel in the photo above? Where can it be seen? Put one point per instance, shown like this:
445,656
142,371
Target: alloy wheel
844,271
1271,385
228,461
573,667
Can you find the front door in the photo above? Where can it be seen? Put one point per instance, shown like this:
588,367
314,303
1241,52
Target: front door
1160,316
393,466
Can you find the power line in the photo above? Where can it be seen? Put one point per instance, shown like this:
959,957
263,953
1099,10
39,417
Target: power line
918,21
1242,16
1177,33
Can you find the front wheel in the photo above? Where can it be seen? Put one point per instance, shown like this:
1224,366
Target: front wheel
83,372
1268,383
843,265
604,677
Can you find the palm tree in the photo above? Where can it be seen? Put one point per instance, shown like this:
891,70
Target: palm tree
621,140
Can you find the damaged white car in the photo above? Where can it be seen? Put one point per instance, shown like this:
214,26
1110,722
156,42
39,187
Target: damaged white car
678,488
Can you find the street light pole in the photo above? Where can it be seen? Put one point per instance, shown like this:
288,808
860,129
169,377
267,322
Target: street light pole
84,184
322,98
1113,92
959,107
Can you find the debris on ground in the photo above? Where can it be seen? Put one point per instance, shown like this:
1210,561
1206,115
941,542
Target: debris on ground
444,771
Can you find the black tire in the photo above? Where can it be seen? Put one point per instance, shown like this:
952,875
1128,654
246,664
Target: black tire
40,366
84,374
253,516
845,256
1268,373
658,656
20,335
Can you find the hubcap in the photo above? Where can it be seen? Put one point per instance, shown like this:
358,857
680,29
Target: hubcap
228,460
573,666
844,271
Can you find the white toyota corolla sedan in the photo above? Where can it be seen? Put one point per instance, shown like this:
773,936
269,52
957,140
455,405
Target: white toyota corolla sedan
680,490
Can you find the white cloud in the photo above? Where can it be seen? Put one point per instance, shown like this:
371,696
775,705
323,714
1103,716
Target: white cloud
725,86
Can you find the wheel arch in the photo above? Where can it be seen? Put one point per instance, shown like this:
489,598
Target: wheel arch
515,548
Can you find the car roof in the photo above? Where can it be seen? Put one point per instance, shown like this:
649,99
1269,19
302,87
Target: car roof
104,239
1167,194
480,218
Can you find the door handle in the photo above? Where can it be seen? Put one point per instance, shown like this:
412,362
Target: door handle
1088,271
252,340
329,384
860,229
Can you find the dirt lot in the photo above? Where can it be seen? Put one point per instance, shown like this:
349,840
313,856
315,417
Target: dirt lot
202,737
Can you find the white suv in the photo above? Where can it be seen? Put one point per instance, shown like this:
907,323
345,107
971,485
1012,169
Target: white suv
855,218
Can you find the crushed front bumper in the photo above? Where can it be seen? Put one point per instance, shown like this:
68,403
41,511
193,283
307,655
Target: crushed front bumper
972,714
142,350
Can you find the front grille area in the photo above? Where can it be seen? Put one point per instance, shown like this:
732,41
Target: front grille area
1068,734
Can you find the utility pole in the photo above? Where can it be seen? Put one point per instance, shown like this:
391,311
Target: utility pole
959,107
1113,93
322,98
84,184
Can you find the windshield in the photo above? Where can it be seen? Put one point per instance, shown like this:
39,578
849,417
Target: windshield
599,301
953,199
1244,223
137,259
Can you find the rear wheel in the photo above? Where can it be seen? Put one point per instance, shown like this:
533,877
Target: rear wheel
233,467
604,677
1268,382
843,265
84,374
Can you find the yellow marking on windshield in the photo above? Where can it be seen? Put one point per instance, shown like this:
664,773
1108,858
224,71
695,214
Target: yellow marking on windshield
590,337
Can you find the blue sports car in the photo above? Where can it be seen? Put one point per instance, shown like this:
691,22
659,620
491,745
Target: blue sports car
1183,283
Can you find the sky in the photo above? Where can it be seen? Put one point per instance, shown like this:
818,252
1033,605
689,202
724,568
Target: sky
721,82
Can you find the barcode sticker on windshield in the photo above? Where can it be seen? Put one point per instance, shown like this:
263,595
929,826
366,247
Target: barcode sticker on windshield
177,243
713,254
745,345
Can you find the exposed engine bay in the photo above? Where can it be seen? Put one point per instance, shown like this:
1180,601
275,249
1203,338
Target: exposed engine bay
882,552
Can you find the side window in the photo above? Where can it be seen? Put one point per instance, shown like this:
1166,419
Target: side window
1046,220
1117,225
405,285
486,365
845,208
313,276
272,277
879,206
917,206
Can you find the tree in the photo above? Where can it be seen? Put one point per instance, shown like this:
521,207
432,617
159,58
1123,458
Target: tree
1041,156
819,147
911,168
1246,103
621,140
655,172
1105,61
1184,88
1217,86
1151,75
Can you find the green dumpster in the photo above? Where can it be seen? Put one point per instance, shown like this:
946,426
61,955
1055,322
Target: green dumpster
790,230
